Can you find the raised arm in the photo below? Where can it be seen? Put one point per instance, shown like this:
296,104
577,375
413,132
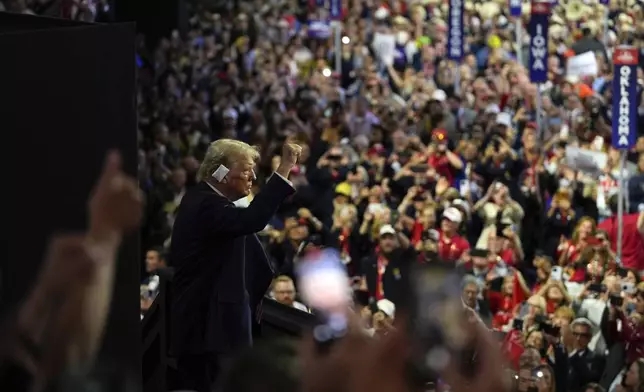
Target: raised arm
62,320
224,219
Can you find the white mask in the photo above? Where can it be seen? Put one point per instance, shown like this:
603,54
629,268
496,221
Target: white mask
402,37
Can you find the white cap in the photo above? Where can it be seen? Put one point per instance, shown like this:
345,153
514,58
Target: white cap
583,321
439,95
381,13
504,118
463,204
453,214
387,307
387,229
492,108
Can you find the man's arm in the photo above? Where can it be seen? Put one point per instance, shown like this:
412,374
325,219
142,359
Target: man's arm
229,220
640,223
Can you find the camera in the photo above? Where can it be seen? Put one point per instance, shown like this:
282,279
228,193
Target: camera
616,300
545,326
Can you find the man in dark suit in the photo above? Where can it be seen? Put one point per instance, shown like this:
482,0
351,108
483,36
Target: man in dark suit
219,270
584,366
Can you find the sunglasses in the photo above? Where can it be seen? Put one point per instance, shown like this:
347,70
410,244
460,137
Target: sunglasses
581,335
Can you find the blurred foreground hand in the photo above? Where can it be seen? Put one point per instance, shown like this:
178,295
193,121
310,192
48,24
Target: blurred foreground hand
359,363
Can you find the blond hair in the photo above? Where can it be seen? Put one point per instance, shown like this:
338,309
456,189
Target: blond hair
281,279
225,152
539,302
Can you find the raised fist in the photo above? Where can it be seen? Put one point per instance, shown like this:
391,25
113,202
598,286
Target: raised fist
290,154
116,204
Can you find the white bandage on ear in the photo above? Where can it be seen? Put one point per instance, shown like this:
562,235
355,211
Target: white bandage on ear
254,175
220,173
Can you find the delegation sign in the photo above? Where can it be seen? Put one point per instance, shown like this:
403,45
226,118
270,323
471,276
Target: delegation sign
515,8
455,36
538,28
625,59
335,9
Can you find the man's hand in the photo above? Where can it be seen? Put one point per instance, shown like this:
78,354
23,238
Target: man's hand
304,213
116,204
290,154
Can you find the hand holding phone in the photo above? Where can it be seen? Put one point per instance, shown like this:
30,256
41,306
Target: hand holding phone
324,284
557,273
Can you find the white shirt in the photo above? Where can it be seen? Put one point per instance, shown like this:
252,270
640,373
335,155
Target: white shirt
244,202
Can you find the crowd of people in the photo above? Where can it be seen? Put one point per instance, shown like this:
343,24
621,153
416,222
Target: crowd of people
405,163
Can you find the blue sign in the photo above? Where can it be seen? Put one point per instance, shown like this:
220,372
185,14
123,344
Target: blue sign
538,63
625,97
604,2
335,9
455,33
515,8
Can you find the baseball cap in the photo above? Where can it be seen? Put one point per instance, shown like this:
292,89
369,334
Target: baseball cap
439,95
387,229
453,214
504,118
387,307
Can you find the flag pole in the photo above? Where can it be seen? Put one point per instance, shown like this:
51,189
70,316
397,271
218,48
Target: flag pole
620,204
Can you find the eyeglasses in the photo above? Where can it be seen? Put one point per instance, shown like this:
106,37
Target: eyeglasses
285,292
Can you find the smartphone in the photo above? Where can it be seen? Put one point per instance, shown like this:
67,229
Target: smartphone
464,187
477,252
628,288
419,168
517,324
549,329
597,288
437,316
324,285
556,273
616,300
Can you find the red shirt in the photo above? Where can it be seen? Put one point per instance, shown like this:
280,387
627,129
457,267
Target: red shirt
632,242
381,266
507,255
451,249
442,166
501,307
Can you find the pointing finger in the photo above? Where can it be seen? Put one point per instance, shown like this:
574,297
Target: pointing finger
112,164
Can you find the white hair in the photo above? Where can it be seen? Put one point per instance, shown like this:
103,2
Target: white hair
225,152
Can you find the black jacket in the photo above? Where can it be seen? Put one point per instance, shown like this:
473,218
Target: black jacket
220,268
584,368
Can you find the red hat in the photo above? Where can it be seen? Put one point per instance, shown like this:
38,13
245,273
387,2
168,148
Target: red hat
376,149
439,135
531,124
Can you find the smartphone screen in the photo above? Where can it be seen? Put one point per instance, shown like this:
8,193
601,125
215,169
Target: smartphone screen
324,285
557,273
437,316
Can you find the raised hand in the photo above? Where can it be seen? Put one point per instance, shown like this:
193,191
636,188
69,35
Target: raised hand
290,154
116,203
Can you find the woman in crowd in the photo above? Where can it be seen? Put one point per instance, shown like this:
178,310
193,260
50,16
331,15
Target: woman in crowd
496,208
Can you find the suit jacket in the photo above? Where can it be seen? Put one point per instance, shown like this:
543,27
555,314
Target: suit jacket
395,279
583,369
219,269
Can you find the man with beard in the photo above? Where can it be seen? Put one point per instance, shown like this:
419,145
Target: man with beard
385,273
